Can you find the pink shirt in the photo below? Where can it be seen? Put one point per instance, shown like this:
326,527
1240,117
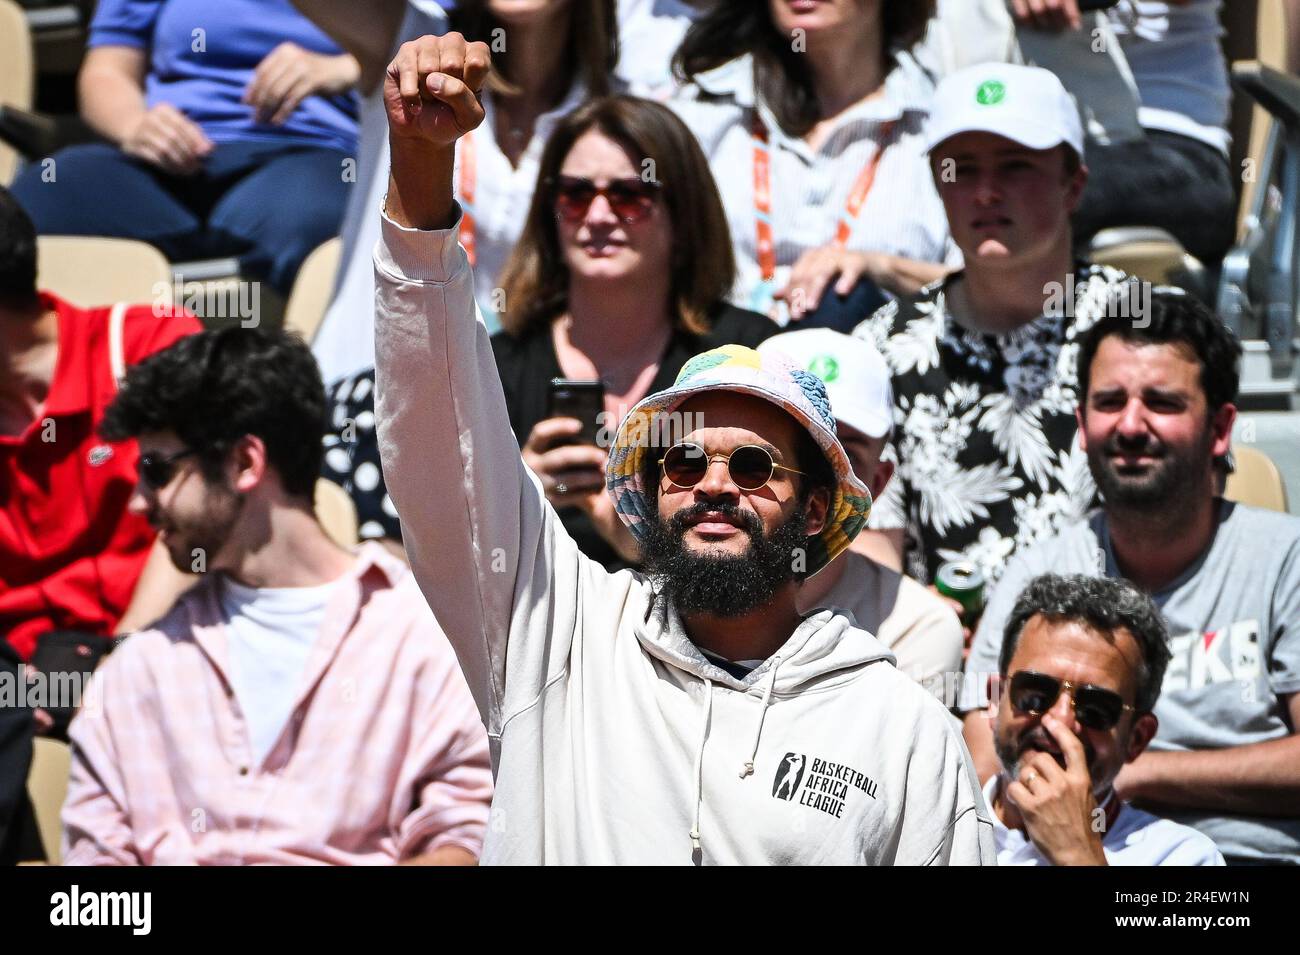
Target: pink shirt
383,758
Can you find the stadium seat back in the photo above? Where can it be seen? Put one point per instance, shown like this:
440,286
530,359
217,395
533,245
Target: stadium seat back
336,513
17,74
47,787
1256,481
312,289
91,271
1259,30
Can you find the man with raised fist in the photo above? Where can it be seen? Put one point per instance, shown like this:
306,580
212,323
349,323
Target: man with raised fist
691,715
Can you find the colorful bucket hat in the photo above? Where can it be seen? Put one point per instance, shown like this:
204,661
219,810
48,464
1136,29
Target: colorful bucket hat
771,377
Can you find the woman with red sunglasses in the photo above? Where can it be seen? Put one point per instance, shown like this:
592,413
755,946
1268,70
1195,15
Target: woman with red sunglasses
620,276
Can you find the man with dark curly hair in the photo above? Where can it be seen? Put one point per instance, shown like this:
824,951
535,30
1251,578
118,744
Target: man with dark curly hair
300,703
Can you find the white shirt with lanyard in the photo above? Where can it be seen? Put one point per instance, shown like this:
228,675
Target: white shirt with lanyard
494,196
867,187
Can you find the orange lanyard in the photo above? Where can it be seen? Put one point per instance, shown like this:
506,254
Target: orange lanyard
468,168
763,194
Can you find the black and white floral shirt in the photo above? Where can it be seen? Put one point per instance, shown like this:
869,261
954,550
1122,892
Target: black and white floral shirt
984,430
352,456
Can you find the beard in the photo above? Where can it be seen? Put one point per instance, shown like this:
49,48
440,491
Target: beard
204,532
723,585
1172,475
1012,751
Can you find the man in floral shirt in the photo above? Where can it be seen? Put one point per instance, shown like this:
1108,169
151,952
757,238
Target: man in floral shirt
983,361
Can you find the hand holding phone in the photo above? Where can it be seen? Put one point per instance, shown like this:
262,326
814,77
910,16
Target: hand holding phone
580,399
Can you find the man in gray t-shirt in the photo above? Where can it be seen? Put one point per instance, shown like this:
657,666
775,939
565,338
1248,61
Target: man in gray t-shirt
1234,623
1226,757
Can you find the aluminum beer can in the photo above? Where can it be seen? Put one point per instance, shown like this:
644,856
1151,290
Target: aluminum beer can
963,582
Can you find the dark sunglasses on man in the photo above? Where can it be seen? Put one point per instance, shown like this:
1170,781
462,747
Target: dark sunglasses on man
157,470
1095,707
750,466
630,199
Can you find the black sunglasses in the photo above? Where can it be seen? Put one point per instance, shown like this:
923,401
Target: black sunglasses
1094,706
630,199
157,470
750,465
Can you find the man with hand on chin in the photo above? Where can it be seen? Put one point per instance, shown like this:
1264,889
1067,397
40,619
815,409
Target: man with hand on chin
1082,662
690,716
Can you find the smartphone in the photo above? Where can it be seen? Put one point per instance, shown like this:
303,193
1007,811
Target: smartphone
1087,6
584,400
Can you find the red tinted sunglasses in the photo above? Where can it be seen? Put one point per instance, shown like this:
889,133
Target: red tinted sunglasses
630,199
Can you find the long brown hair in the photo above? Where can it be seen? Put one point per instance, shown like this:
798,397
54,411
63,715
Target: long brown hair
734,28
592,41
536,280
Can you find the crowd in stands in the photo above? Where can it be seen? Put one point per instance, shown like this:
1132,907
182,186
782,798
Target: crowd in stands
679,351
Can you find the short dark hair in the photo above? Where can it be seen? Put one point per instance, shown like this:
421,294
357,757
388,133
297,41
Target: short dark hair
1072,160
733,28
17,254
1103,604
1173,318
818,474
213,388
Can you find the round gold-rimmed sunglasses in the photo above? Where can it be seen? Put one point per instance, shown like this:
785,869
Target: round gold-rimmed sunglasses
750,465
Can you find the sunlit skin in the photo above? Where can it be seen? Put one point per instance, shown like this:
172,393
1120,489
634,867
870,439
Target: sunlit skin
1069,650
728,421
524,12
1005,203
864,456
244,523
1147,399
818,15
1063,770
601,246
183,505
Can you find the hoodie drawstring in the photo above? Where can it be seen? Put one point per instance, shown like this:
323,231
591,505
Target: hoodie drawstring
748,768
699,762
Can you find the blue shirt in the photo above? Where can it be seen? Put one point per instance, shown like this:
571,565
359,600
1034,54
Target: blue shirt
202,55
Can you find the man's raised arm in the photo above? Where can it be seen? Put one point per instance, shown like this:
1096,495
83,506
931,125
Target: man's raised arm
481,541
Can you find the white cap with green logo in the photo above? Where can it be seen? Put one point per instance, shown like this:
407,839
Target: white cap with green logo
854,372
1025,104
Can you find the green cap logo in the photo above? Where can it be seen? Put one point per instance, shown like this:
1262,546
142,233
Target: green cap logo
990,93
825,367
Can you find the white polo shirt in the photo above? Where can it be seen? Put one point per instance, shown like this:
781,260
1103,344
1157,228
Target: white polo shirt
1135,838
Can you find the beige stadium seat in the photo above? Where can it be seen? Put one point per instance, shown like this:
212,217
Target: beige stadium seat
17,74
1256,481
312,289
47,786
1256,30
1151,254
336,513
91,271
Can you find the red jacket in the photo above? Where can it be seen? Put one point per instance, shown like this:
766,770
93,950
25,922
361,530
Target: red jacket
69,551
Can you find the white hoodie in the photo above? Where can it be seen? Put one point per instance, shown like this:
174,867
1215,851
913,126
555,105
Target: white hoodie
613,739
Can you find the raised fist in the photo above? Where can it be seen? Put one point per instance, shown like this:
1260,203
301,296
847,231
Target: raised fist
431,91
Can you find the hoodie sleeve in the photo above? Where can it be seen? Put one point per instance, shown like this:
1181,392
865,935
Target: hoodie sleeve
488,552
945,820
968,840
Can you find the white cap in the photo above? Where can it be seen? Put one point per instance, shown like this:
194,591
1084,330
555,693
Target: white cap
1025,104
855,374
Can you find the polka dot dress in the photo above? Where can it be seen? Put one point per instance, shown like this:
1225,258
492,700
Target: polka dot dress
352,456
